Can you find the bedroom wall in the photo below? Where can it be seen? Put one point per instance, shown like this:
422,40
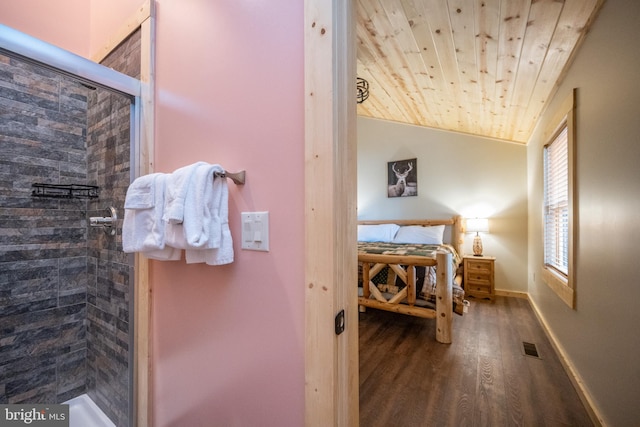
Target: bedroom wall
457,174
600,337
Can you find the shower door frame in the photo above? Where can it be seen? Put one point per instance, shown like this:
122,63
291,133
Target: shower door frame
30,49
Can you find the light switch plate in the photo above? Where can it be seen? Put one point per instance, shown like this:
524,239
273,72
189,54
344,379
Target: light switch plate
255,231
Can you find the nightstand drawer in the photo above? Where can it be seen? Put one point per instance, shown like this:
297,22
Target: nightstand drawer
478,276
477,287
479,279
479,267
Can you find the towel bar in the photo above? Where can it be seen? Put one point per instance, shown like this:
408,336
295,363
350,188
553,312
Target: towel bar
236,177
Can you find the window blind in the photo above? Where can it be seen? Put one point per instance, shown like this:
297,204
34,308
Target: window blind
556,203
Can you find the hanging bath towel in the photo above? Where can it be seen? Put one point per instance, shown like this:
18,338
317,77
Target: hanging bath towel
142,228
206,218
177,186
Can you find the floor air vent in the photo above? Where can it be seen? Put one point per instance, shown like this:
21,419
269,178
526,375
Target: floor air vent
530,349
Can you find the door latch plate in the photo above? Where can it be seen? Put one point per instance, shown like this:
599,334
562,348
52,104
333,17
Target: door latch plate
339,322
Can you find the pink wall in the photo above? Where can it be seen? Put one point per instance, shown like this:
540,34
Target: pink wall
228,341
62,23
107,17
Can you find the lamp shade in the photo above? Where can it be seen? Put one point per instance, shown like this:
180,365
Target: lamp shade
475,225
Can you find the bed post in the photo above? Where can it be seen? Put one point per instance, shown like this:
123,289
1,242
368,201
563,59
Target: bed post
444,297
457,233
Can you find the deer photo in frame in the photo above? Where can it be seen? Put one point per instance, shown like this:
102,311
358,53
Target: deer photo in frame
403,178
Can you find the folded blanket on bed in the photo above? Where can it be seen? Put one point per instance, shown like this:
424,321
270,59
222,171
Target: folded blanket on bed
413,249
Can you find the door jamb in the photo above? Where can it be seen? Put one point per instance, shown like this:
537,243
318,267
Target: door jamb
331,361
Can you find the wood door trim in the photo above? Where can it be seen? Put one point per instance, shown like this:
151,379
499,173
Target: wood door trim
331,361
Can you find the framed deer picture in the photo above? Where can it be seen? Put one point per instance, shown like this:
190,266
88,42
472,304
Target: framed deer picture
403,178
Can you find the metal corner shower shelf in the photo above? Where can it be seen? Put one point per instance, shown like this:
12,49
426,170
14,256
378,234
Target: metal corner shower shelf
65,191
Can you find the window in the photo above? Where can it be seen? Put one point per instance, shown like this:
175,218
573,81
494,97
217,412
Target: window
556,204
558,163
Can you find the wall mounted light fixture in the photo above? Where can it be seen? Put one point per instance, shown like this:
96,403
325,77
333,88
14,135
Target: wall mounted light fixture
362,88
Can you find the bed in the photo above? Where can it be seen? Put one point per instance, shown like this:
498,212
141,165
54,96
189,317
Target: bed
412,267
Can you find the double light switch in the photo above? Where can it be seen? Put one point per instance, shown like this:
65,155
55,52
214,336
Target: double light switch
255,231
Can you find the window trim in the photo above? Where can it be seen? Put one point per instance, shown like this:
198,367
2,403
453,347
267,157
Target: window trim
563,286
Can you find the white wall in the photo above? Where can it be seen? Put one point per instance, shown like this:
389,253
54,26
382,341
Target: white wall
600,337
457,174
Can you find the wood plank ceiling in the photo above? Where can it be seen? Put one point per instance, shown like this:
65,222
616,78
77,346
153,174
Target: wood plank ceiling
483,67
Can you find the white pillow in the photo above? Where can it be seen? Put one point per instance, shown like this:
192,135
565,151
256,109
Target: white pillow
417,234
377,232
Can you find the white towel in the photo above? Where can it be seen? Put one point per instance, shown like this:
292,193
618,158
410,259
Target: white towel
174,235
206,222
220,256
187,209
166,254
194,231
142,229
177,186
202,223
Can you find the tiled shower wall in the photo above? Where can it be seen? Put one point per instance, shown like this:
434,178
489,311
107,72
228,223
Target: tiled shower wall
43,246
64,286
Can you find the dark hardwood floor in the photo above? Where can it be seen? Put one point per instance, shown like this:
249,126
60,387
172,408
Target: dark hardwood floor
483,378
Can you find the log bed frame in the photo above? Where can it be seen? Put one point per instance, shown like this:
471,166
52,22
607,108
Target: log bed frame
373,263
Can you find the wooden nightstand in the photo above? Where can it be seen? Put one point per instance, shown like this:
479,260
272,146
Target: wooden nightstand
478,276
